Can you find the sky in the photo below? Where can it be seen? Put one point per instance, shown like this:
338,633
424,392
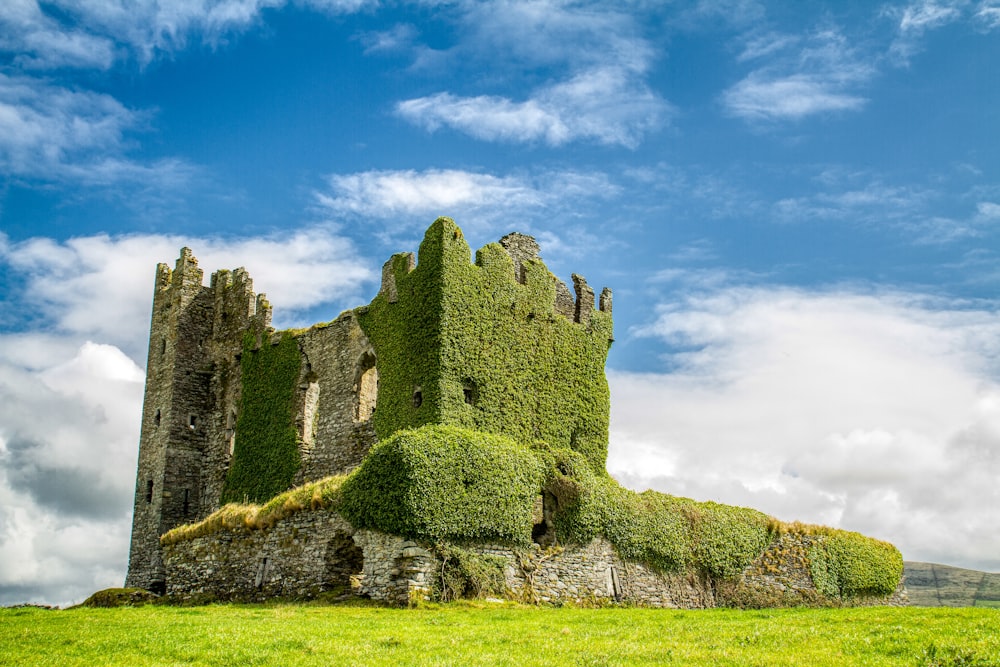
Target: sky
797,206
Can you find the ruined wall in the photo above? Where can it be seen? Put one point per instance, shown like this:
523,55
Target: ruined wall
304,556
337,397
307,554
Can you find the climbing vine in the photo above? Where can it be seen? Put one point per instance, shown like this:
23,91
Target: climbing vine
487,352
445,483
266,452
847,564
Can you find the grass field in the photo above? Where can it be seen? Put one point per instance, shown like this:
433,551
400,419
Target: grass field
484,634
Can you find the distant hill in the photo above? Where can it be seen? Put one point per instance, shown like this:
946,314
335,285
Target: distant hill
933,585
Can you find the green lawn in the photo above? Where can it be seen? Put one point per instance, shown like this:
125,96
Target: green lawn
483,634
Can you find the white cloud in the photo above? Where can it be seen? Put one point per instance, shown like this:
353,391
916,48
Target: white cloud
989,15
875,412
42,42
70,401
389,193
68,446
597,90
411,199
96,33
804,77
607,105
918,18
760,97
399,37
927,15
861,198
51,132
101,286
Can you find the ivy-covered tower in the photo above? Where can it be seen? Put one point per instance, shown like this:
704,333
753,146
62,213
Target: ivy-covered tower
235,411
498,345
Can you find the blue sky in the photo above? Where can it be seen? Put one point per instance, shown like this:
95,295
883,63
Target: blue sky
797,206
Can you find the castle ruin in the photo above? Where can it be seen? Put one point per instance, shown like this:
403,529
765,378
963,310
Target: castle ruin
236,412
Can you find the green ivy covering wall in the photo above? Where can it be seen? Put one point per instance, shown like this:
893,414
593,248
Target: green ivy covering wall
487,352
266,452
444,482
666,532
845,564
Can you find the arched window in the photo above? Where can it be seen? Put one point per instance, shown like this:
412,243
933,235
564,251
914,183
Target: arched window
366,388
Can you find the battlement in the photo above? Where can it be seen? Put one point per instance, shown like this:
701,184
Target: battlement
523,253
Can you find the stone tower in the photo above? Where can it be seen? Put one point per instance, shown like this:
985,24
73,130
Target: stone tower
192,334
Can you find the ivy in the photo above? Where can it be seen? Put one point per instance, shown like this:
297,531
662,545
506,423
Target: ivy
847,564
464,573
487,352
266,451
664,531
445,483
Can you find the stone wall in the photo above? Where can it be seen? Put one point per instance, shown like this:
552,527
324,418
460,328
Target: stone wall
336,431
301,557
313,552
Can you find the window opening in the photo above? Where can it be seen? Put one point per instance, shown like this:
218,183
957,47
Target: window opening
149,490
156,418
366,389
187,501
192,422
470,392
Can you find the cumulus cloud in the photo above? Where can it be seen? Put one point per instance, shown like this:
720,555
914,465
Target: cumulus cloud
411,199
803,77
70,400
101,286
68,445
876,412
607,105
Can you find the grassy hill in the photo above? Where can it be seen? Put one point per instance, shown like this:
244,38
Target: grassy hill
933,585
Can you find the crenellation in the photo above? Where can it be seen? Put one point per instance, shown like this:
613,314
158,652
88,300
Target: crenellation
521,249
584,305
564,304
605,301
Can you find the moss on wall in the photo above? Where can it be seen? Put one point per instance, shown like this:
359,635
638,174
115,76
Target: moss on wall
487,352
266,452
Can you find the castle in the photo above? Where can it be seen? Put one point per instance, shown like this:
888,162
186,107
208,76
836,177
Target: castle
461,417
